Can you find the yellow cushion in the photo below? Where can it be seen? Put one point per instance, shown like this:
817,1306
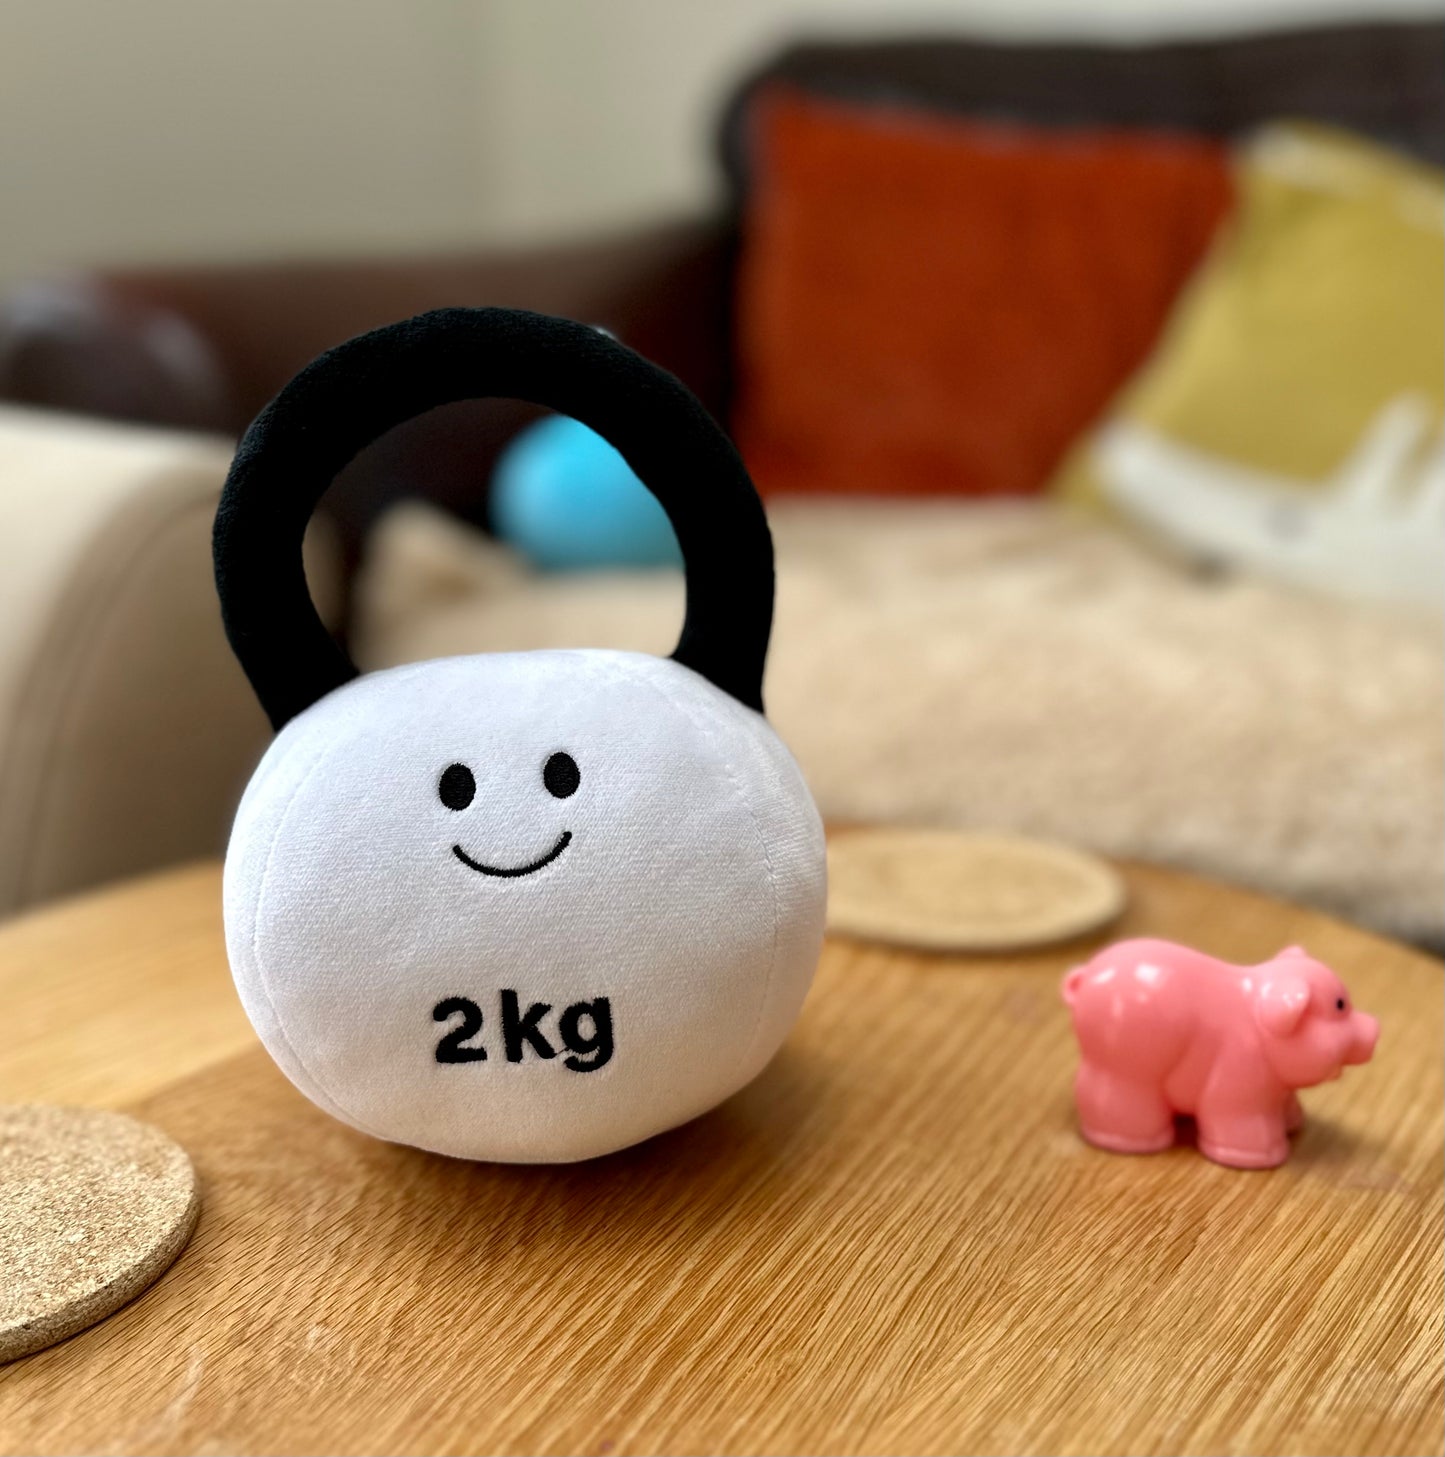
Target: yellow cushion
1289,421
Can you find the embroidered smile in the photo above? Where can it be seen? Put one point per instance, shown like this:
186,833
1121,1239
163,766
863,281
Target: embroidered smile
509,872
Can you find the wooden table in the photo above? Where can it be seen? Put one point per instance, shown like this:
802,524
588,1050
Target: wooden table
892,1242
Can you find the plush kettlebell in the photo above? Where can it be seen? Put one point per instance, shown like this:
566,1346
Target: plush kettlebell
527,907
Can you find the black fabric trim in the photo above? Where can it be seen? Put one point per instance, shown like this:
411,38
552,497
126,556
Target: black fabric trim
351,395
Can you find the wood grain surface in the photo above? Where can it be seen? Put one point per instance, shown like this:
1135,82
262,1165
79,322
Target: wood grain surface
893,1241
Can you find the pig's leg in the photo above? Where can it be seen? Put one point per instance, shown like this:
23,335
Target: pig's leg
1294,1115
1119,1114
1241,1135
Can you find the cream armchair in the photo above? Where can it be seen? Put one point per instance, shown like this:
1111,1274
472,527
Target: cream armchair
126,728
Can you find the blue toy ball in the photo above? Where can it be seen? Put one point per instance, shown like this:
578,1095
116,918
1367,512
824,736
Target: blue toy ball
565,499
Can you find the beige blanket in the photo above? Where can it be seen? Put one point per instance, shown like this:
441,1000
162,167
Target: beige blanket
1013,667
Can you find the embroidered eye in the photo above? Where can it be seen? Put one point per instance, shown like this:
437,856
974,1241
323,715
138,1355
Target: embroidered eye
561,775
1339,1004
457,788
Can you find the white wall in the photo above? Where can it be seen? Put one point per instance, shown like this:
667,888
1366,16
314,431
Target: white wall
605,110
148,129
184,129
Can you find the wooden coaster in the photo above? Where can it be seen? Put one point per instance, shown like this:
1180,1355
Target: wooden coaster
94,1206
939,890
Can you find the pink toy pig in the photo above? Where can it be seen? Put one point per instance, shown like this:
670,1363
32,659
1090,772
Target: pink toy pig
1165,1030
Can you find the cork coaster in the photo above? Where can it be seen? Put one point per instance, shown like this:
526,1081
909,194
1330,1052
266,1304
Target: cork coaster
939,890
94,1206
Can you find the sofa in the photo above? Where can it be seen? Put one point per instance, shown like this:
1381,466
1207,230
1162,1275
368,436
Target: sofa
998,664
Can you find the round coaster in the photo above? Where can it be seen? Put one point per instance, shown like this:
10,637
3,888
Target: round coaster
940,890
94,1206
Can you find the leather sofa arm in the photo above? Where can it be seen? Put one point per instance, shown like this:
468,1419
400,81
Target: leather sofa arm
663,289
206,347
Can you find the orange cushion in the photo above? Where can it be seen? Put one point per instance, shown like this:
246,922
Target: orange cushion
936,306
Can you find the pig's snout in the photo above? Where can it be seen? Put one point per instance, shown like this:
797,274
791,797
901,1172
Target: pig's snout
1365,1033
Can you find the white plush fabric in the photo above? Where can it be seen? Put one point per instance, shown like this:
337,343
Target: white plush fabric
1008,666
690,896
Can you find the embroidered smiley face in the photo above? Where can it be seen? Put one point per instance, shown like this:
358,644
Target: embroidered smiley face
457,788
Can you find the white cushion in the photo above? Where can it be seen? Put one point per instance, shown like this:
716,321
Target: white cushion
126,727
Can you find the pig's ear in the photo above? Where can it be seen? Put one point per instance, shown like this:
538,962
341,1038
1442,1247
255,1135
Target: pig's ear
1281,1005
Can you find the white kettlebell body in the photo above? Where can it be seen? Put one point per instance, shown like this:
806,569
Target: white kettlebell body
682,915
525,907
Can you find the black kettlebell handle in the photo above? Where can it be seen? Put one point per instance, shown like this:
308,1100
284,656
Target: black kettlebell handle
353,394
